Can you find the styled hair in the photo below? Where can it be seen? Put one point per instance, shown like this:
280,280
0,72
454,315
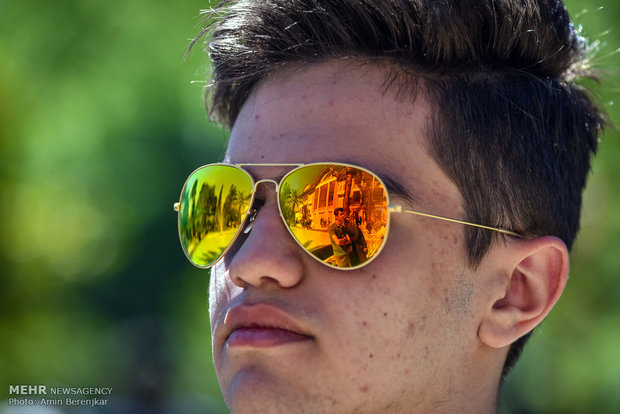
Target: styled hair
510,126
338,210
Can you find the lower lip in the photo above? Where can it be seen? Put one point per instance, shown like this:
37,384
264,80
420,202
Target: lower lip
263,337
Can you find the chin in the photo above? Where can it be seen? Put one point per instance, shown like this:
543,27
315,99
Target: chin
252,393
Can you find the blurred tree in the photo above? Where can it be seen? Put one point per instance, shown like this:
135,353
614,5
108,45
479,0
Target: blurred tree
100,125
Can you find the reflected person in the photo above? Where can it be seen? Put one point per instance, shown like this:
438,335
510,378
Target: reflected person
359,249
340,240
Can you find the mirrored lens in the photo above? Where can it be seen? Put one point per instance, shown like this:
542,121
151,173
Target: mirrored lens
337,213
214,203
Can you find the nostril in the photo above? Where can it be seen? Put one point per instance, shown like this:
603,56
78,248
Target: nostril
239,280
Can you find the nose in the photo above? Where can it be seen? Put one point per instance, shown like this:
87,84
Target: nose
267,256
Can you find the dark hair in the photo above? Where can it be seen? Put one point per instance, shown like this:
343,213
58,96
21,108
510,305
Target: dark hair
511,126
338,210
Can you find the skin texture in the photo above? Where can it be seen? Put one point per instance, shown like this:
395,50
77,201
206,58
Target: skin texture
399,335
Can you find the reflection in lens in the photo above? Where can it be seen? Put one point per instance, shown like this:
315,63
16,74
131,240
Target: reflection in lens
338,213
214,203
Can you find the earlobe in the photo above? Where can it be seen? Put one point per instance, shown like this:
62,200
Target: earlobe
538,274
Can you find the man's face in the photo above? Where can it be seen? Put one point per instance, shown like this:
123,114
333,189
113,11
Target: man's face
340,217
290,333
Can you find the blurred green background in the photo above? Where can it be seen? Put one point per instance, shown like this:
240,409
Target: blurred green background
100,124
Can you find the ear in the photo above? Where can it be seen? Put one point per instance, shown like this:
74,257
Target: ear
538,270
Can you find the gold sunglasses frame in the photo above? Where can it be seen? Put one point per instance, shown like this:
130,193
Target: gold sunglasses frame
251,213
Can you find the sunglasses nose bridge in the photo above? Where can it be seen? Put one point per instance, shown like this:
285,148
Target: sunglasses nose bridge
266,180
277,190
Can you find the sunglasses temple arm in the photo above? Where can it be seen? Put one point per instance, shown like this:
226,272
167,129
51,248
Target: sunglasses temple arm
400,209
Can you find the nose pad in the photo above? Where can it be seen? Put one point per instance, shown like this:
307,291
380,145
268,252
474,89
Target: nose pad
251,217
265,252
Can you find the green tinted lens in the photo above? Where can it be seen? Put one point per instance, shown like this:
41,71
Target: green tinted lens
214,203
338,213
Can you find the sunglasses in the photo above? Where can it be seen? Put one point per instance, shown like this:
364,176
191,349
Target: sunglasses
338,213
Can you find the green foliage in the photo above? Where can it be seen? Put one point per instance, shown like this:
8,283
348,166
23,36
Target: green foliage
100,124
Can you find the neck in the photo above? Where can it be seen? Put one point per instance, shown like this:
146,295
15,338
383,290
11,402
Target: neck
471,387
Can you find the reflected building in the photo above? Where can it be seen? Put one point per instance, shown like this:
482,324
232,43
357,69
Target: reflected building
361,196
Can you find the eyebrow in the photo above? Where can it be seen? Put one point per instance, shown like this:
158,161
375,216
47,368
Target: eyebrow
396,189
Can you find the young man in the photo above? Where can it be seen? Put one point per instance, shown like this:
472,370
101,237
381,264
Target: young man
340,240
466,110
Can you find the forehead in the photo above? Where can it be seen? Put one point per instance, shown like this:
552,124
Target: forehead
329,104
338,112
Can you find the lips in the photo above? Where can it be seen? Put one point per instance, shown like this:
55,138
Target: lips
262,326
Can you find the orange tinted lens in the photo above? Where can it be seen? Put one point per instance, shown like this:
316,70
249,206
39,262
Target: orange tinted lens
338,213
214,203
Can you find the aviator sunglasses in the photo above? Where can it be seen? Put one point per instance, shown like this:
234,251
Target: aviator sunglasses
338,213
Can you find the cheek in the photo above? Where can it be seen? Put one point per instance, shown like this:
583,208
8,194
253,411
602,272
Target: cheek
437,288
221,293
381,335
414,289
431,251
381,317
214,281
